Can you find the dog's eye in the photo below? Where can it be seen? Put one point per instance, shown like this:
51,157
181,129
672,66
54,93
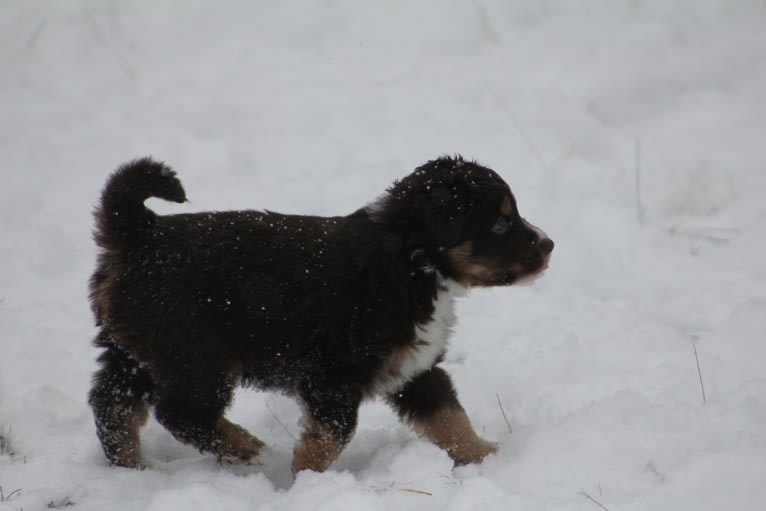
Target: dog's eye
501,225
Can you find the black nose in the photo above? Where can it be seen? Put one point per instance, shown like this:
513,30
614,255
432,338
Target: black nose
546,245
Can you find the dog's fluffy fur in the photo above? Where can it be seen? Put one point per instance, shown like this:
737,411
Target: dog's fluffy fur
328,310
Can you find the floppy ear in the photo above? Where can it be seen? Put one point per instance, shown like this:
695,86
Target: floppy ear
426,207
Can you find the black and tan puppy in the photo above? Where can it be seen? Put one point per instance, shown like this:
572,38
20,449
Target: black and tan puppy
329,310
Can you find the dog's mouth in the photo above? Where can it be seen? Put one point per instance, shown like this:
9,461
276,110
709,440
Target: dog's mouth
527,275
473,271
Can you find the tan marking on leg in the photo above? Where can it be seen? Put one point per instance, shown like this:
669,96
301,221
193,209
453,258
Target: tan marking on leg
317,448
238,444
451,430
129,454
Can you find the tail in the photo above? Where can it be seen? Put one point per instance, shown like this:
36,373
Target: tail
122,207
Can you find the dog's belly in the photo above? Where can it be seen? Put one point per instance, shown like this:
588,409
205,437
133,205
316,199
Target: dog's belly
427,346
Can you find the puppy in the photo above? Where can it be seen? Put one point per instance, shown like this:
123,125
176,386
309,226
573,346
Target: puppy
330,310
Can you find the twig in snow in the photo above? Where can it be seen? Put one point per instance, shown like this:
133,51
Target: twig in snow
392,486
486,25
279,421
717,235
505,417
639,202
6,498
599,504
419,492
32,39
699,372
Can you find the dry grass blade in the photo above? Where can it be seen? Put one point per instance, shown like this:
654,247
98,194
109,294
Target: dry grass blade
505,417
637,168
419,492
599,504
5,498
392,486
699,372
268,407
32,39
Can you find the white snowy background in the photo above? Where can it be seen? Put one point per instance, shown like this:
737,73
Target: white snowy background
633,132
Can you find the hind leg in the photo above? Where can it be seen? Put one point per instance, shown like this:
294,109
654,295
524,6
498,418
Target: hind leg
120,397
191,407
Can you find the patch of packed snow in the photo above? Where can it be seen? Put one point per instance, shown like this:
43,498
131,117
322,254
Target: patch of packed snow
316,107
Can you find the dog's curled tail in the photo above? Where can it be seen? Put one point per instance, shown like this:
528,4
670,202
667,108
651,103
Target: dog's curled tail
122,209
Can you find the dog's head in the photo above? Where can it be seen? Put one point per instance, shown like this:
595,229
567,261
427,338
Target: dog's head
461,219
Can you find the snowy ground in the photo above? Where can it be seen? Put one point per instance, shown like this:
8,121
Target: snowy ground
315,107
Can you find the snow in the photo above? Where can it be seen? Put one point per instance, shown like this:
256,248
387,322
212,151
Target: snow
316,107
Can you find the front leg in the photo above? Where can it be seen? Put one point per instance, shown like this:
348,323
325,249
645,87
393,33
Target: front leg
329,421
429,403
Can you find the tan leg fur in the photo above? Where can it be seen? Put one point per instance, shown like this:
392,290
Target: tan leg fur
238,444
316,449
451,430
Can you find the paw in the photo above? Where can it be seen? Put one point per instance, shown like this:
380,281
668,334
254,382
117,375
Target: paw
238,446
128,457
472,452
316,450
136,464
241,455
238,459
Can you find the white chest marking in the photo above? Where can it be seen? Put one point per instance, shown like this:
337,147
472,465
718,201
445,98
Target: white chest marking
431,339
